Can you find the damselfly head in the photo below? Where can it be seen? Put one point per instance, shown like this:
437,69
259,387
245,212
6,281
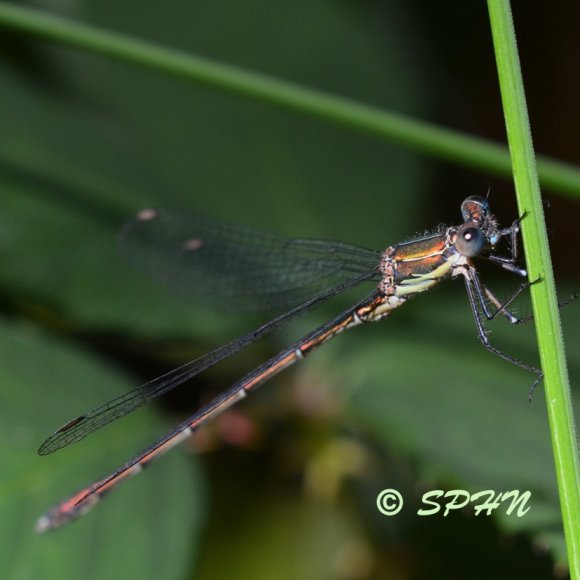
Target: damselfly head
476,216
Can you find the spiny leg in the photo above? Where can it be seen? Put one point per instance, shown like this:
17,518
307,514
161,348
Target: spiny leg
500,307
476,303
509,262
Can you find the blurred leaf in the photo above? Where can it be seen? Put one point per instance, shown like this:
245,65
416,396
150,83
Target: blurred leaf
289,538
75,164
432,392
153,519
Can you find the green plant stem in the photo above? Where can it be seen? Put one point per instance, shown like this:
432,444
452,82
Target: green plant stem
544,298
428,138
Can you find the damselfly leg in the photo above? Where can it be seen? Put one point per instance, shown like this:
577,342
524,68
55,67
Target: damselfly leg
510,262
477,301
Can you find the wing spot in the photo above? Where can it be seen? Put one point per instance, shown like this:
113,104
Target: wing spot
71,424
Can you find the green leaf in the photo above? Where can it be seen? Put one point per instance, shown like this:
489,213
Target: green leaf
153,518
428,389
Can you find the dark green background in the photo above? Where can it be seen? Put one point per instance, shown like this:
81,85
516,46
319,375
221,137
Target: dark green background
286,487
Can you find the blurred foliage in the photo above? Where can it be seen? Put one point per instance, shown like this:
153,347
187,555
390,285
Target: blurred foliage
414,403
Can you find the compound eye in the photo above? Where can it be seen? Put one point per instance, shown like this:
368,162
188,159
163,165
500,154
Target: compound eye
469,242
474,207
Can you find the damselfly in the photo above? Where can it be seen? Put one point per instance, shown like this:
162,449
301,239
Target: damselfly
244,268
